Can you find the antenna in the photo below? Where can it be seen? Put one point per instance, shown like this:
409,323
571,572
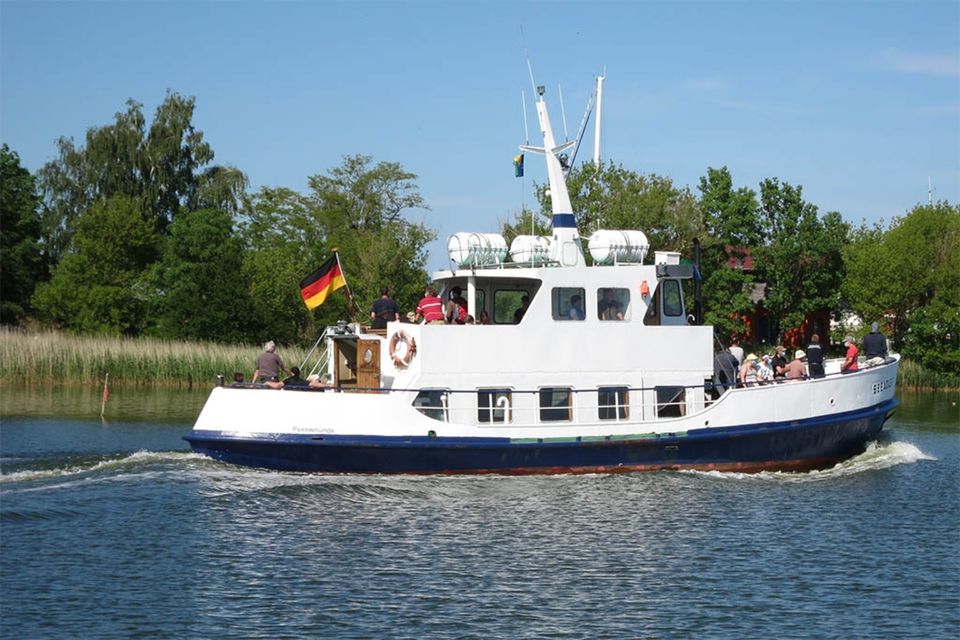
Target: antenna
526,131
527,56
930,191
563,114
597,131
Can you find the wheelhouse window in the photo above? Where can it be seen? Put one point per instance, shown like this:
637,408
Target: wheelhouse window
509,305
555,404
672,299
613,303
671,402
613,403
433,403
494,405
567,303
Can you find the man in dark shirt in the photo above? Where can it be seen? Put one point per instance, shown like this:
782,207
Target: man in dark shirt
815,357
295,380
874,343
385,309
779,363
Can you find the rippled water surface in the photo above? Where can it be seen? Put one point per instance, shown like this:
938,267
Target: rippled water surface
115,530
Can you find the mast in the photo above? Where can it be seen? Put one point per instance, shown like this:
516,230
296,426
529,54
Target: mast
565,247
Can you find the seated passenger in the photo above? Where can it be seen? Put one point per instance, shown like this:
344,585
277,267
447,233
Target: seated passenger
576,308
609,308
485,317
764,371
295,380
317,382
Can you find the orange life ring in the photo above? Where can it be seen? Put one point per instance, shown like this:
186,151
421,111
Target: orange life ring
411,344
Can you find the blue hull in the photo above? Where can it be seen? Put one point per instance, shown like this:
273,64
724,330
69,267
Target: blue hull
800,445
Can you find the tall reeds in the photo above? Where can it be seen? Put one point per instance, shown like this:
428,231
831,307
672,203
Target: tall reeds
912,375
55,358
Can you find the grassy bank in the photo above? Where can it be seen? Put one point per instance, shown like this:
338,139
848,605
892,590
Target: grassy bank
55,358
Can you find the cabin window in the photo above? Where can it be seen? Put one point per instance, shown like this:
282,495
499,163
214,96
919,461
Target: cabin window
612,403
672,300
671,402
433,403
555,404
508,305
567,303
613,303
494,405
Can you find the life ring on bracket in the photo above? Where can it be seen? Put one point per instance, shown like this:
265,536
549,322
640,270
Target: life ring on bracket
411,349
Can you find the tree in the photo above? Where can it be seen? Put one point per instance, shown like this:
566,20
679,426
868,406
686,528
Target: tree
910,274
612,197
802,262
97,288
733,231
21,263
358,208
162,168
200,289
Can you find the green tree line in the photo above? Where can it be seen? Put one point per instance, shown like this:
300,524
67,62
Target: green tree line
137,232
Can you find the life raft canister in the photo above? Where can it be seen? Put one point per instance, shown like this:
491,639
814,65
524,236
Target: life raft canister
411,349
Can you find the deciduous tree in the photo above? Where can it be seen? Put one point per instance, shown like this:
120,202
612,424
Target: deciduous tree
21,263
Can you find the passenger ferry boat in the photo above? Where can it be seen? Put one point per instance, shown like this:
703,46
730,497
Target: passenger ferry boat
603,372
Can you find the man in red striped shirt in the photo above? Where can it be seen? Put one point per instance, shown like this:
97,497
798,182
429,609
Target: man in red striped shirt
430,308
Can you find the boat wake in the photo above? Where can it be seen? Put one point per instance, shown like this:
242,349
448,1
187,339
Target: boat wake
878,455
124,463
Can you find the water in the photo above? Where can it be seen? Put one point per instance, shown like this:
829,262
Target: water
116,530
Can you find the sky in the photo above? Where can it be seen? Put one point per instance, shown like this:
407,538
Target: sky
857,102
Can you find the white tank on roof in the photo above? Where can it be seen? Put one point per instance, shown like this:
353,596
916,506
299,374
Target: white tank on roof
608,246
530,249
476,249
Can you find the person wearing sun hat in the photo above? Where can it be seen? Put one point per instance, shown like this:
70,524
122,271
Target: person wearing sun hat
748,373
796,369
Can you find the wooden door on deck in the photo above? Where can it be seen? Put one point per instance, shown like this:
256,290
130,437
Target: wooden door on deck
368,364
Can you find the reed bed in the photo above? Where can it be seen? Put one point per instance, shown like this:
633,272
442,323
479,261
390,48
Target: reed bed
912,375
56,358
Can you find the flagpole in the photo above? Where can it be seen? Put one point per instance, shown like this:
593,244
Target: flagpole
352,307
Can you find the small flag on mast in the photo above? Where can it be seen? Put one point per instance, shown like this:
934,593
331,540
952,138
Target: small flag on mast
518,166
318,285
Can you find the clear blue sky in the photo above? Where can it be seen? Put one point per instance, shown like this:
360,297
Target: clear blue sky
858,102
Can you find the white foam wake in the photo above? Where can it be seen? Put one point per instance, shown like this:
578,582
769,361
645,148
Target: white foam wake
137,458
877,456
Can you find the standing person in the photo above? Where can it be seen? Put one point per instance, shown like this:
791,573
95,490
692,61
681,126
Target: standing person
874,346
385,309
268,367
456,309
736,349
748,373
764,372
779,362
850,364
725,367
430,307
815,357
521,310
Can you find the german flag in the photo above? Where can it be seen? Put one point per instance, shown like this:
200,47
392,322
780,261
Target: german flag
318,285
